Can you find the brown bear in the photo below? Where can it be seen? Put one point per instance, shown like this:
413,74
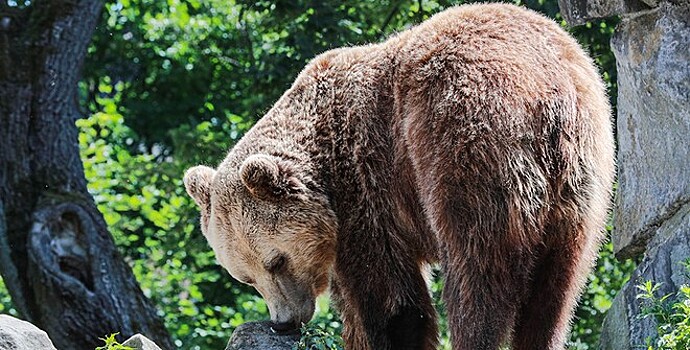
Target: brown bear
480,140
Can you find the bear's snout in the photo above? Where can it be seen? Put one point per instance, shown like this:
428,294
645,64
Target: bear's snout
290,314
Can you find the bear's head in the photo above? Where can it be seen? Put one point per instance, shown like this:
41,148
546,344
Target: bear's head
271,227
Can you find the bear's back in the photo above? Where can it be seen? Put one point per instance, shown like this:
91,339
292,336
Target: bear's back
495,47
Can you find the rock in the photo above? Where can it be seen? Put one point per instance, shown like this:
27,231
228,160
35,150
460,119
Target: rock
259,336
140,342
577,12
623,328
16,334
652,210
615,333
653,64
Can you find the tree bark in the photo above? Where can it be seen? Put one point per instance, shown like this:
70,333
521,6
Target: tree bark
57,258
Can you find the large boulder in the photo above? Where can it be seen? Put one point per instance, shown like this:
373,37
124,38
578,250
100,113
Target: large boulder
260,336
16,334
652,210
653,62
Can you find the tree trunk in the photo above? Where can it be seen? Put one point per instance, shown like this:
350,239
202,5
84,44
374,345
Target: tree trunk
57,258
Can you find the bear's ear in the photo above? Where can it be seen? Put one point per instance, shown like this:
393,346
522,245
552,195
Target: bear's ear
269,178
197,182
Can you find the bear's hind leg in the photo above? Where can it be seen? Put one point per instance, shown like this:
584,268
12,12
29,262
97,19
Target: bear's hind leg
486,265
558,277
482,295
486,255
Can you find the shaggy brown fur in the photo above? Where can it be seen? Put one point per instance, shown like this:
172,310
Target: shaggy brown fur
480,139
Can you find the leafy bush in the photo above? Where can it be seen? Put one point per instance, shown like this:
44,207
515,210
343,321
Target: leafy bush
315,337
323,332
671,313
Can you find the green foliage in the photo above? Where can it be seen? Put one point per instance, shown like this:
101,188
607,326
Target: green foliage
6,306
154,224
112,344
436,292
183,62
323,332
316,338
671,313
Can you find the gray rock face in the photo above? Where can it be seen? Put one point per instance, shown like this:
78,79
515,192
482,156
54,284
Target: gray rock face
652,210
653,58
140,342
16,334
578,12
623,329
259,336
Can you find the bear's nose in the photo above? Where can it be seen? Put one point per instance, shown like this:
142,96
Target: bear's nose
284,327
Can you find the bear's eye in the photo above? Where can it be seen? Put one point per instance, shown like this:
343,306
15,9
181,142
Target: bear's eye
246,280
276,264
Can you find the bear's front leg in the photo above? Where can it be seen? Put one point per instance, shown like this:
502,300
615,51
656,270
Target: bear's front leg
384,301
